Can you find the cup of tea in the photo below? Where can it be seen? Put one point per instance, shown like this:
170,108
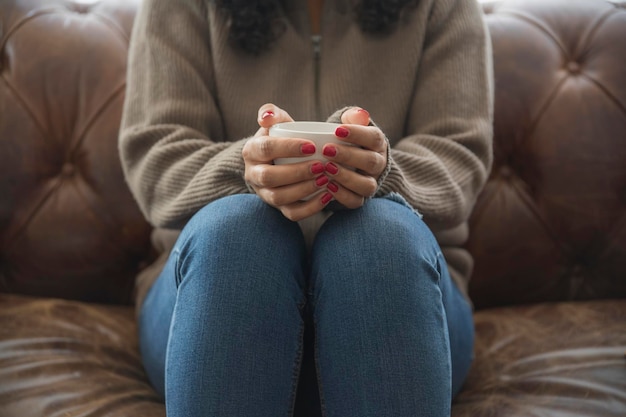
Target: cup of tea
320,133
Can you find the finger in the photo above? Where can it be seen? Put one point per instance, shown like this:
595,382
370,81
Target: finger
363,185
266,148
368,137
271,176
344,196
269,114
303,209
293,193
357,116
365,160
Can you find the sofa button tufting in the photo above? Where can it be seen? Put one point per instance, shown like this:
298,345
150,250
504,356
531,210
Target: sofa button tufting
68,169
506,172
80,8
573,67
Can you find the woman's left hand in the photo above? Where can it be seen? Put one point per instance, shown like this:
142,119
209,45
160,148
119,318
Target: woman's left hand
368,158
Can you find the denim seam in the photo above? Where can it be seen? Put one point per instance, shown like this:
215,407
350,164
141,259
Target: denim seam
177,274
297,369
438,266
316,356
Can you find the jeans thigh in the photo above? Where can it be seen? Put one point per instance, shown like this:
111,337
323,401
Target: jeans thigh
460,328
459,318
154,323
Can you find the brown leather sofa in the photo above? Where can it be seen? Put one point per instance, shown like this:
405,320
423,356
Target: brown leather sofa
548,233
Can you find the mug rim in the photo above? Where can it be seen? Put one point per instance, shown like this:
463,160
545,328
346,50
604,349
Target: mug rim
299,127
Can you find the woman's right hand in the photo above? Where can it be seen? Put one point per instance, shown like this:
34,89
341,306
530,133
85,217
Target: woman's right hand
284,186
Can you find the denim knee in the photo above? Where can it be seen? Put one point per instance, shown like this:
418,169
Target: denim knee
233,216
383,229
381,245
238,238
238,224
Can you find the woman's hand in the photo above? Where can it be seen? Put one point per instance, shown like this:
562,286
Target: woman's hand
284,186
369,158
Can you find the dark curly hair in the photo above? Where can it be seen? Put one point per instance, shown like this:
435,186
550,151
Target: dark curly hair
256,24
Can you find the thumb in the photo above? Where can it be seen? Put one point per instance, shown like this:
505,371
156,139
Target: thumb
356,116
270,114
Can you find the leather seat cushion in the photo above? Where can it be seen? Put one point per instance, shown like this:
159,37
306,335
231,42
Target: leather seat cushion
62,358
561,359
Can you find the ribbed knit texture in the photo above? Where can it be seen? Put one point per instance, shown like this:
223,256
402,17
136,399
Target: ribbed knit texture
192,101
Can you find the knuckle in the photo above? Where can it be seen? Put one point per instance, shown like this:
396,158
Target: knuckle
270,197
381,141
274,198
371,187
245,151
263,177
382,162
372,162
266,149
247,176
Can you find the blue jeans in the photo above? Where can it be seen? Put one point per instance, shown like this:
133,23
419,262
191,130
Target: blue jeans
221,330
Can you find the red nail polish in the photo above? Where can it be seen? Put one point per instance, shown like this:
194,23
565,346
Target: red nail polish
332,187
365,112
330,151
317,168
267,114
342,132
326,198
308,149
331,168
321,180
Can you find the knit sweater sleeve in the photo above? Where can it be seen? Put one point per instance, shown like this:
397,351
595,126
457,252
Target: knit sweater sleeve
172,146
442,162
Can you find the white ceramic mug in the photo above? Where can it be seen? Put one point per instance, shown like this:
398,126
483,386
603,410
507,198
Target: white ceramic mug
319,133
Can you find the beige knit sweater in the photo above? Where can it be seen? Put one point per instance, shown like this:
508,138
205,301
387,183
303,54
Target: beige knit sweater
192,101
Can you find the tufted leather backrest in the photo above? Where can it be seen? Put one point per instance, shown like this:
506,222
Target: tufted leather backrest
551,223
68,224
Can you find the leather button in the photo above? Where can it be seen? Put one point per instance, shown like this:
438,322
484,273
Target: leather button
80,8
573,67
506,172
68,169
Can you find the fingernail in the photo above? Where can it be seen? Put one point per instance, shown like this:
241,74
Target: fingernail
332,187
330,151
267,114
317,168
342,132
365,112
321,180
326,198
308,149
331,168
